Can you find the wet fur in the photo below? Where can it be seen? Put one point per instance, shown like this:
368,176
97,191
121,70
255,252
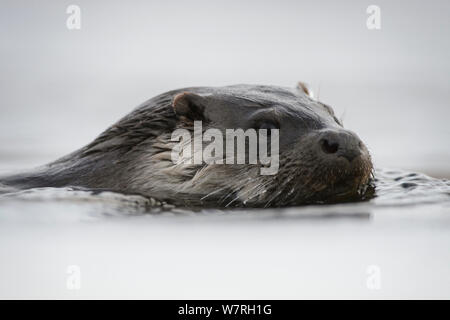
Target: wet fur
134,156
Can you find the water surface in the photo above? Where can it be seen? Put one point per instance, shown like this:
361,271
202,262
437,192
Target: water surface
59,89
127,246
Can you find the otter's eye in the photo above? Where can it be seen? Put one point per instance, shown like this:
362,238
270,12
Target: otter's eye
268,125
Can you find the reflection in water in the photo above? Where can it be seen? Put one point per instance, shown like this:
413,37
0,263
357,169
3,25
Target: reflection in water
153,250
393,189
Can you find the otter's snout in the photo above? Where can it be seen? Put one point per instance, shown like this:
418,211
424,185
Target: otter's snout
339,143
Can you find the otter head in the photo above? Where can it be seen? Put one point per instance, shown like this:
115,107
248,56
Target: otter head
316,160
319,160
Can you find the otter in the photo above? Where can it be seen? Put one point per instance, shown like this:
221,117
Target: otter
319,160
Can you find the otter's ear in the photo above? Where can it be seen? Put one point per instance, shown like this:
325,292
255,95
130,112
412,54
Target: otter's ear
306,89
189,105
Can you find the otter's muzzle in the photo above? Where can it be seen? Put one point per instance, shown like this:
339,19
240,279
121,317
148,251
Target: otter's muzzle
334,143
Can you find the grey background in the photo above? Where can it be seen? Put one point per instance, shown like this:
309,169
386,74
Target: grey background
59,89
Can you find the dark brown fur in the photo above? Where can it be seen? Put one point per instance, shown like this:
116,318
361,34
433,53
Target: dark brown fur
133,155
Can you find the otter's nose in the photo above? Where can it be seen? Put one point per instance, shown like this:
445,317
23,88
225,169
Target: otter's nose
340,144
